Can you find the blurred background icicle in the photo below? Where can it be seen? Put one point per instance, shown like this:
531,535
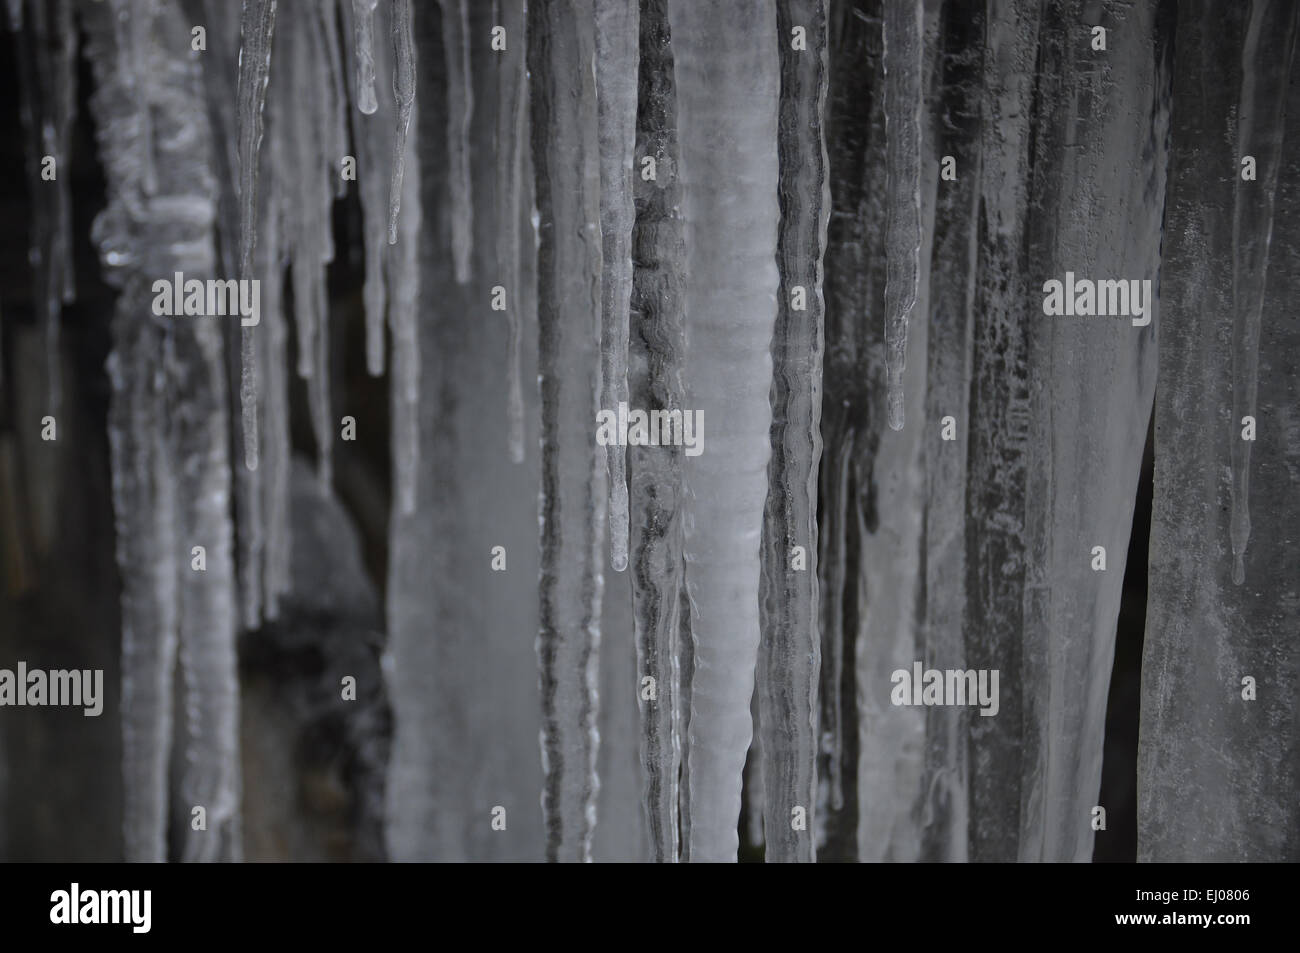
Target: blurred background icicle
45,47
1217,773
789,658
727,75
510,145
1270,32
172,373
459,664
955,125
369,128
256,32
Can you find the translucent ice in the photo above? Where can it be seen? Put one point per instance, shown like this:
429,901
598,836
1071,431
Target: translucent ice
790,656
567,167
616,94
727,77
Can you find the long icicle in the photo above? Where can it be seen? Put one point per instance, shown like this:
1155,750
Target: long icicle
144,501
656,349
566,162
903,55
256,29
790,653
616,92
725,63
372,189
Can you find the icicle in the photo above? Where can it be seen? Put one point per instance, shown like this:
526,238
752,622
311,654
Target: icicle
460,110
1262,104
1219,665
131,19
210,773
64,113
142,471
655,352
945,784
144,507
683,672
404,93
276,457
460,102
256,29
903,105
46,54
616,89
404,279
334,100
567,163
221,85
171,487
512,93
363,16
790,655
999,422
372,191
725,61
837,503
305,99
753,804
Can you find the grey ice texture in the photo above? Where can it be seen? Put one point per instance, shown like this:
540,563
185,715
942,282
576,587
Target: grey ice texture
776,168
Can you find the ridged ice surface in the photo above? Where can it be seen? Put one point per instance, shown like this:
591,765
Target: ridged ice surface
727,77
655,363
616,98
790,654
572,509
257,29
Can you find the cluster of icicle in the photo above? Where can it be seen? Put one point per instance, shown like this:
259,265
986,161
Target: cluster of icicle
218,164
677,291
